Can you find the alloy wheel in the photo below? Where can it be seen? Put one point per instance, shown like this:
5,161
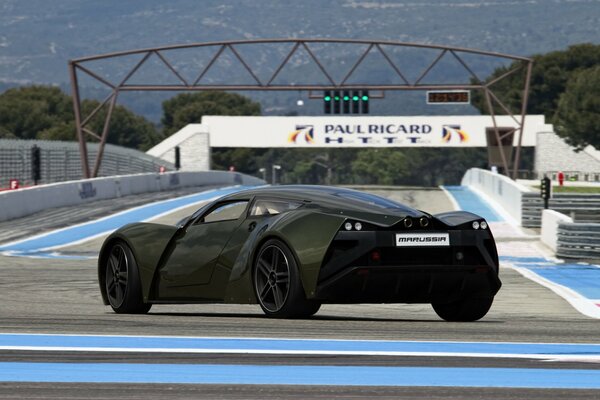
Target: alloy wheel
116,276
272,278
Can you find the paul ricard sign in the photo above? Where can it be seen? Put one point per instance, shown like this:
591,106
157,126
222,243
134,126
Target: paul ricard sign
339,131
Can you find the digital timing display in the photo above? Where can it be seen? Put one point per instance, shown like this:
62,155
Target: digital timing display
449,97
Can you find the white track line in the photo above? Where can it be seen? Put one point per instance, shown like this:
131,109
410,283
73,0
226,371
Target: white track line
545,357
582,304
453,201
88,238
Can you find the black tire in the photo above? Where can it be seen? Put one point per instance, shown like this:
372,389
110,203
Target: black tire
278,285
122,281
464,310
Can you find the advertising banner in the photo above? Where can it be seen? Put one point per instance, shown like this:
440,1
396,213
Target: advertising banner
342,131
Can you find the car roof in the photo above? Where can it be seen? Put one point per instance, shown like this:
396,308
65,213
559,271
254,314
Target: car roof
330,197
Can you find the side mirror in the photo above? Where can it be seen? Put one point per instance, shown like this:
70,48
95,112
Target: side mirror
182,223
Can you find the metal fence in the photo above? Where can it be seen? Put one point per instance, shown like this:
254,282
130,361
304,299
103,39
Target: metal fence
580,207
578,240
60,161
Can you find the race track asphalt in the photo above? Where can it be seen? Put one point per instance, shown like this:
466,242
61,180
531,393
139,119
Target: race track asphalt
62,296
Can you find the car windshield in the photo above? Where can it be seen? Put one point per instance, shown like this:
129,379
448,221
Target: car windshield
369,198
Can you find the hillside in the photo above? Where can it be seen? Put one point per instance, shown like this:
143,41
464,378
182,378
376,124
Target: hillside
38,37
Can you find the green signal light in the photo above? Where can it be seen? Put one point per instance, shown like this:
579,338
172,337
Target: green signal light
327,98
346,98
365,98
336,98
355,98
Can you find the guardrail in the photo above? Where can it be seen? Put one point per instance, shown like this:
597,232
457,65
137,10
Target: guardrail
578,240
580,207
572,225
526,206
22,202
549,232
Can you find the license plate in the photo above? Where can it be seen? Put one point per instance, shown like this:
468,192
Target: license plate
422,239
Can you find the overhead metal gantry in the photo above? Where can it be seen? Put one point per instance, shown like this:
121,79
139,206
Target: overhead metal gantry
329,79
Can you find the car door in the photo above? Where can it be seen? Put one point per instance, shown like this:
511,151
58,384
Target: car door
188,270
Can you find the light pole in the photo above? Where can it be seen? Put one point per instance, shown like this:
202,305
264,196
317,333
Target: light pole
263,171
274,173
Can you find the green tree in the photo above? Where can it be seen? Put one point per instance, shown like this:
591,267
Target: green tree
380,166
187,108
578,115
27,111
385,166
5,134
45,112
305,171
550,75
242,159
434,166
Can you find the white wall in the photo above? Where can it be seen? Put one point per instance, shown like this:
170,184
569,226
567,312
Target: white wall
194,145
550,221
22,202
503,190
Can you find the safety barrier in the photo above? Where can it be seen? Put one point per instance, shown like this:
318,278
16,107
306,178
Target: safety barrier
578,240
550,222
525,205
60,161
580,207
503,190
562,228
22,202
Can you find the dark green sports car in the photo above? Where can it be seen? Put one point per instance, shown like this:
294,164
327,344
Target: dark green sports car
292,248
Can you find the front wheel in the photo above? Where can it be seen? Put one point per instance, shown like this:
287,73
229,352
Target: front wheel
277,283
122,282
464,310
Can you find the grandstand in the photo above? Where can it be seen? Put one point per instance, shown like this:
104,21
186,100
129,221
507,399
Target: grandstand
60,161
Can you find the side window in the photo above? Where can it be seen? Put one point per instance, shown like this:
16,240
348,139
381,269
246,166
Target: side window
226,212
273,207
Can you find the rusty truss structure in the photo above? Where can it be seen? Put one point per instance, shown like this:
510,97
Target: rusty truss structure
253,75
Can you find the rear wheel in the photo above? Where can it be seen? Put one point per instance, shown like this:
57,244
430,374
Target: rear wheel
122,281
278,285
464,310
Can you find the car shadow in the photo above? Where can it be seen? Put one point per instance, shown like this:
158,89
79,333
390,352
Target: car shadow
323,318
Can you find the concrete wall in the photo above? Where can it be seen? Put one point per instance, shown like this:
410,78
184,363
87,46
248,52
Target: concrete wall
503,190
194,146
550,221
22,202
